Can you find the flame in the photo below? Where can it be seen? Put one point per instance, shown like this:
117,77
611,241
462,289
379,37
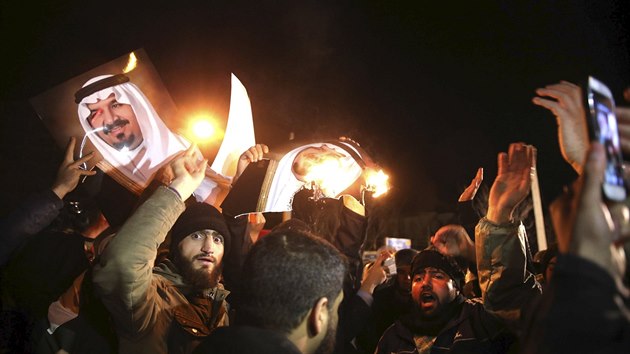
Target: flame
330,176
376,182
131,63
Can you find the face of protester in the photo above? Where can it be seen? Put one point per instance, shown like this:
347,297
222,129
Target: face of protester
199,258
403,278
432,290
327,345
118,119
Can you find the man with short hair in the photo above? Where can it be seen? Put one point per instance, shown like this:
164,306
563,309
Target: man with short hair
443,320
171,307
293,281
392,299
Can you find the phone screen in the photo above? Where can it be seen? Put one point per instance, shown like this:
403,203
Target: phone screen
604,128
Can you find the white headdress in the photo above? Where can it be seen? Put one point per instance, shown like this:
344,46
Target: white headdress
159,144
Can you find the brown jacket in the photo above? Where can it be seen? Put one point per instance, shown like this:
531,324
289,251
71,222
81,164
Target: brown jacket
153,309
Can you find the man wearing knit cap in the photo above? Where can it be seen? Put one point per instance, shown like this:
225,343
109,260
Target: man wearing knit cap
171,307
392,299
442,319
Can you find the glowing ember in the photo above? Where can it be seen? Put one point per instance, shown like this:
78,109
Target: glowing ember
376,182
131,64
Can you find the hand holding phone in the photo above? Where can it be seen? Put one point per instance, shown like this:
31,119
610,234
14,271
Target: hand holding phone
602,127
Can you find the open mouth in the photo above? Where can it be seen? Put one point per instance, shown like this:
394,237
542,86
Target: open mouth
427,298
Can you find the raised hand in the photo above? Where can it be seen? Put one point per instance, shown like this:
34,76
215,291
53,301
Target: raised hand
375,275
255,224
513,182
188,172
253,154
582,221
567,105
470,191
453,240
70,171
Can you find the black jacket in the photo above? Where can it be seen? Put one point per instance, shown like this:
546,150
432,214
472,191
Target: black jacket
582,311
29,218
245,339
473,331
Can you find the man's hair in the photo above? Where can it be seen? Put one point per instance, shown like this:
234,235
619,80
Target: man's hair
284,275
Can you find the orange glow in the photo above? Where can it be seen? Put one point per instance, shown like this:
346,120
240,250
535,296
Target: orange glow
202,129
376,182
330,176
131,63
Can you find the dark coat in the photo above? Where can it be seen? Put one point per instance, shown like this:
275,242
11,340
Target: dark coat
28,219
473,331
245,339
582,311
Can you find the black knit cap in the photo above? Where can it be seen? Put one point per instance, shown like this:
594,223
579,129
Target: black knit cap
197,217
430,257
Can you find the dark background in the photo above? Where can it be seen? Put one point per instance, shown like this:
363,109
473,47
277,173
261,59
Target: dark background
432,91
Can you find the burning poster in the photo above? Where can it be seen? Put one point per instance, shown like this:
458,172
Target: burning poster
330,168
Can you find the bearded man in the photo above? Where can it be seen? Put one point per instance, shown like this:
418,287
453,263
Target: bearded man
292,282
443,321
171,307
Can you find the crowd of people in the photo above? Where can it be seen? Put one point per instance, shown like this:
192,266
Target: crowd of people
179,276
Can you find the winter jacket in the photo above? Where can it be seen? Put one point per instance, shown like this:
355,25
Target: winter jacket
153,309
584,310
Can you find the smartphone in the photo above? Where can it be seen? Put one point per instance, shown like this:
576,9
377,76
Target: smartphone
389,265
398,243
602,127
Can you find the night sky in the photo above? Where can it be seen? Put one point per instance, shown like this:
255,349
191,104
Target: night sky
431,91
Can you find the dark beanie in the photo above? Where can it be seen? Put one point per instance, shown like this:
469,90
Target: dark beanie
432,258
197,217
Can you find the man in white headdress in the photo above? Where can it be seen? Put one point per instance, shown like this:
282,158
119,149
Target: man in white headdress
125,128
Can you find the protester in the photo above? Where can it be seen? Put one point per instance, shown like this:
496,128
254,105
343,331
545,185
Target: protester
585,309
293,280
392,299
41,209
443,320
39,261
171,307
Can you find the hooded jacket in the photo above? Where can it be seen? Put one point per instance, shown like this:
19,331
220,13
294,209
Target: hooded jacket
153,309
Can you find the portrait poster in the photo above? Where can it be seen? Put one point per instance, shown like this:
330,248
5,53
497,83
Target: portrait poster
131,166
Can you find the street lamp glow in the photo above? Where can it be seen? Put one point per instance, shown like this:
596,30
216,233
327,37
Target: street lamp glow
202,129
